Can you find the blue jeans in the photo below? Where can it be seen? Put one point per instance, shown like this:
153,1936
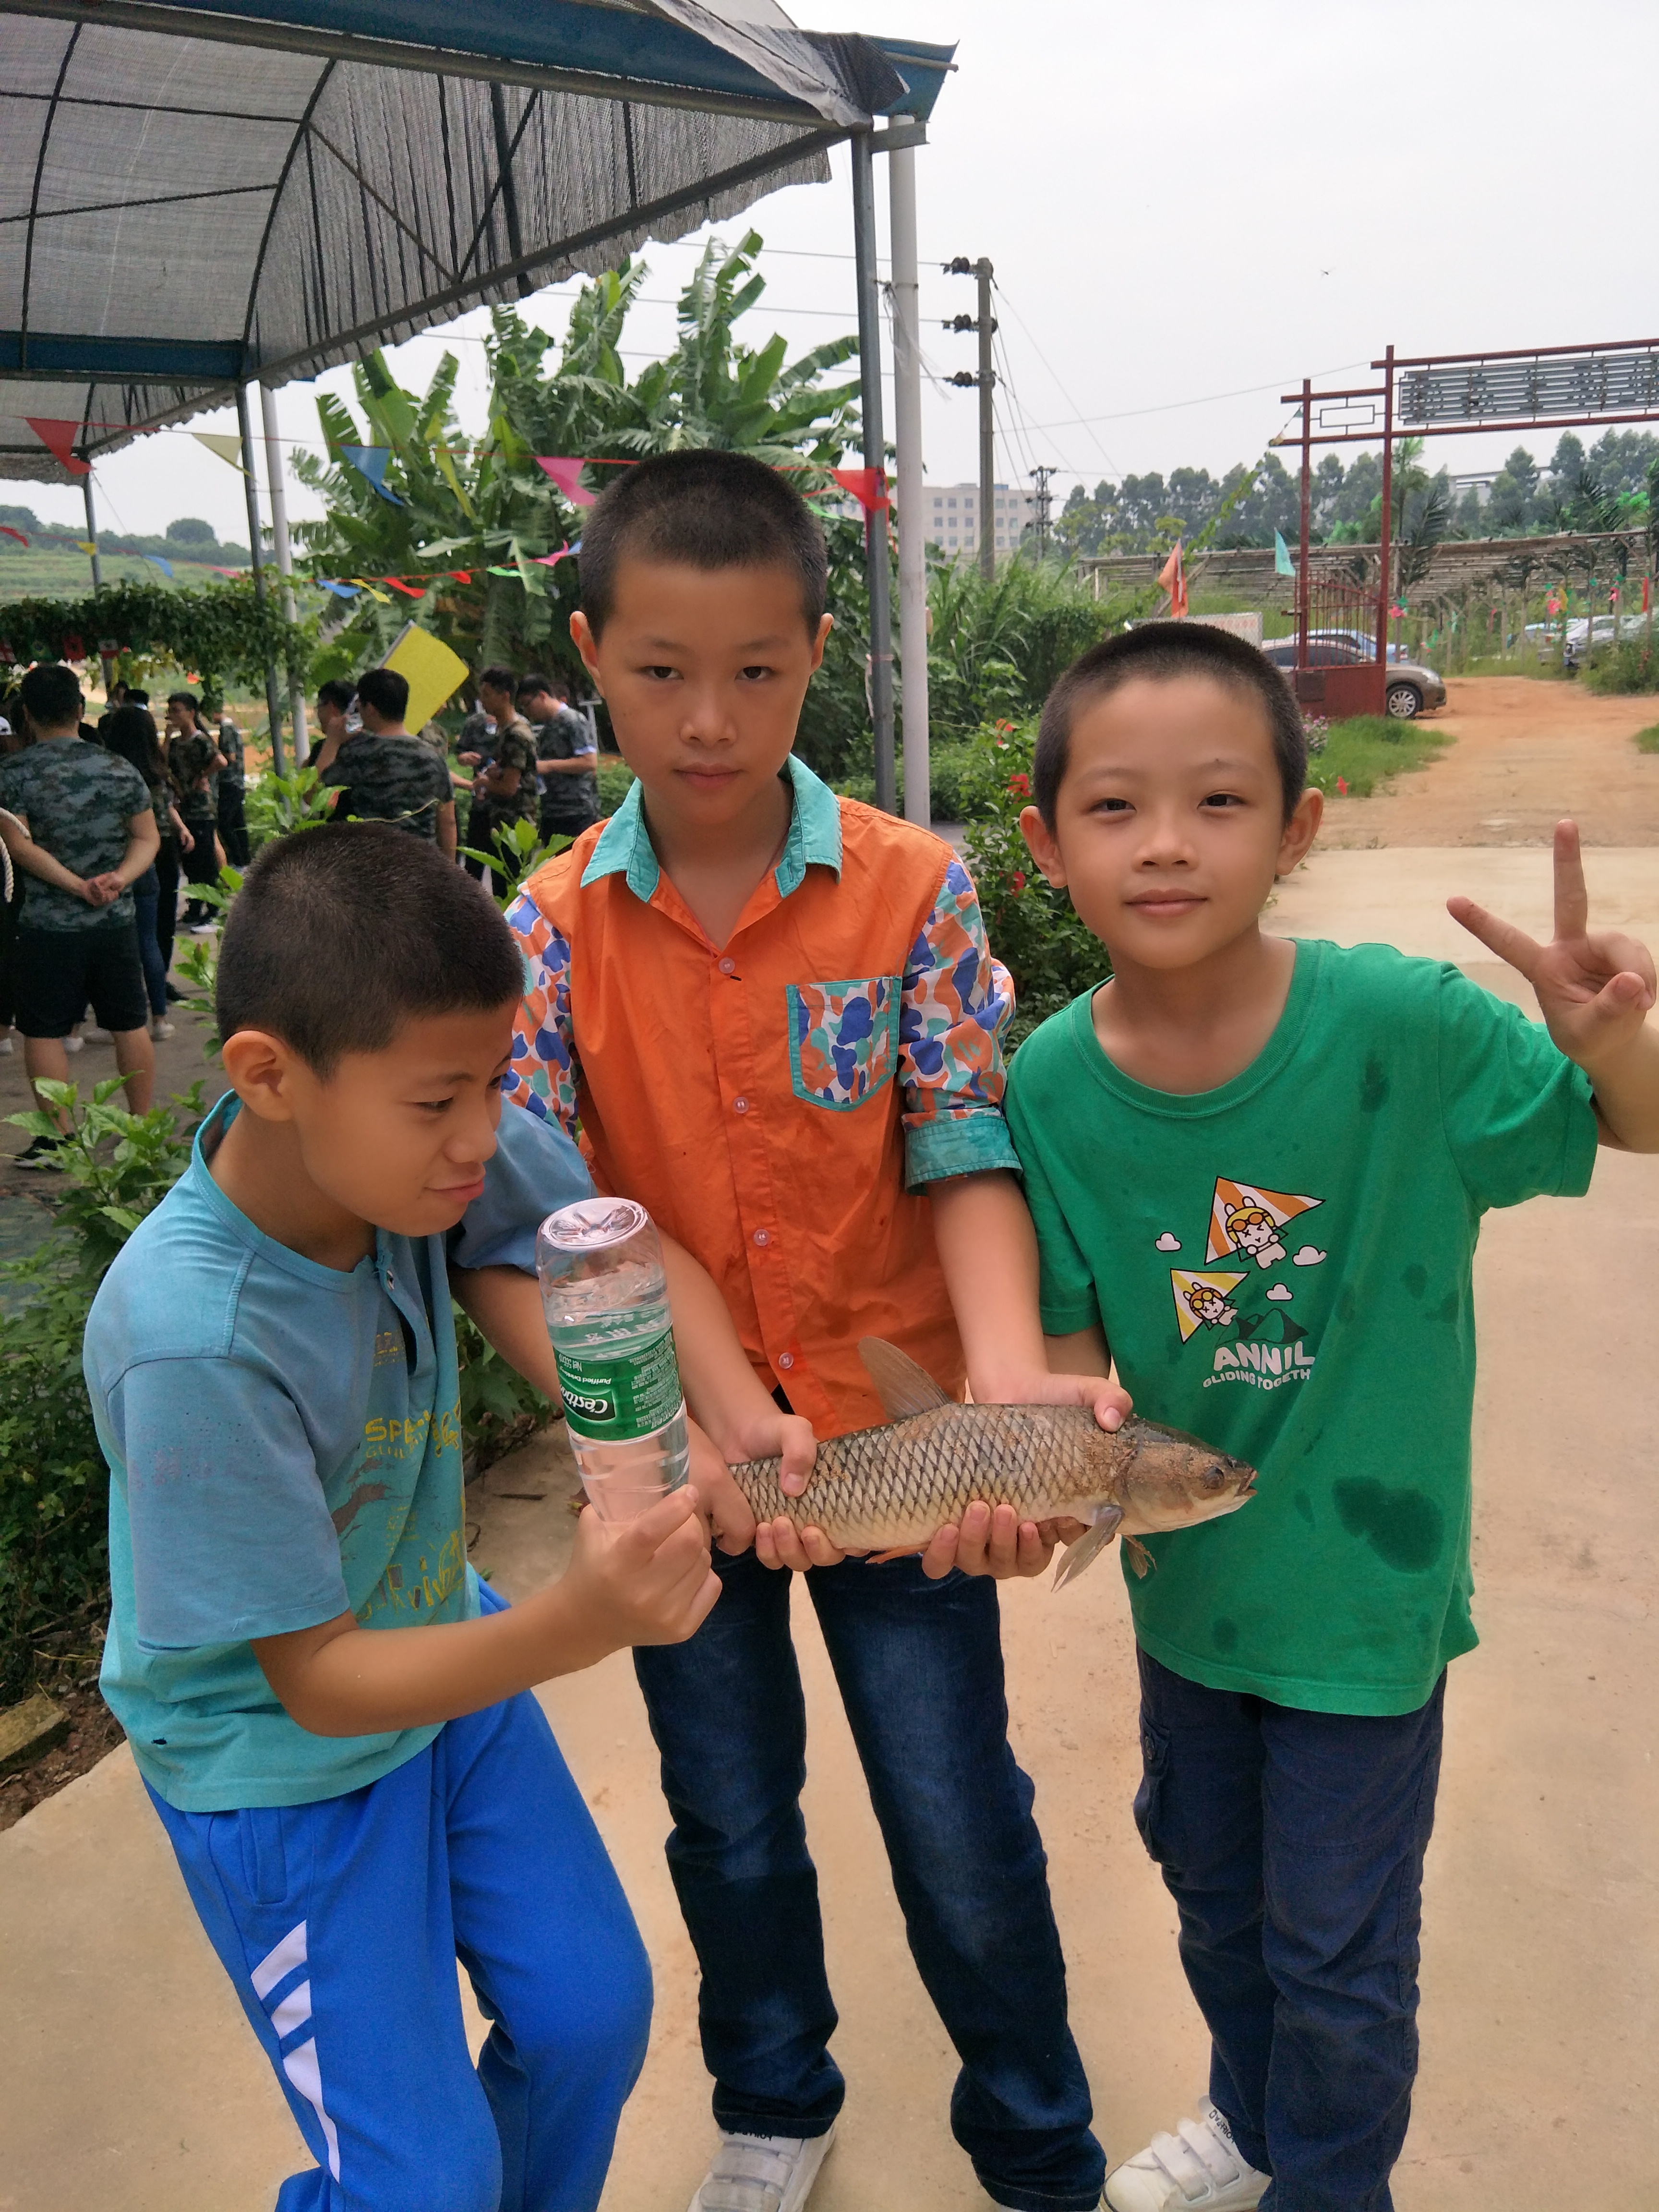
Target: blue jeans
919,1666
1292,1843
145,902
339,1924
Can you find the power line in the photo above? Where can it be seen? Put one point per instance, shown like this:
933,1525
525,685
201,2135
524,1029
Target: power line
1082,420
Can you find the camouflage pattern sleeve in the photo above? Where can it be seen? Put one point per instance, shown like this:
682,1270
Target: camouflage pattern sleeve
956,1002
543,1073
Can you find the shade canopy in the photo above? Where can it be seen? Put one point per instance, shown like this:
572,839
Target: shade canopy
191,196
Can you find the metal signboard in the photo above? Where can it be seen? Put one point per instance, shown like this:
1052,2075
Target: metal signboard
1498,389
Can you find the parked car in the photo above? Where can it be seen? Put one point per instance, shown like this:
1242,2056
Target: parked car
1412,689
1365,641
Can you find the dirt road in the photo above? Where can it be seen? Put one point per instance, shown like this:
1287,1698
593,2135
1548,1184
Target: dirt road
1526,753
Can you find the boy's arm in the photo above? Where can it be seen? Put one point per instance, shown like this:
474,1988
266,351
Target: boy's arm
35,860
1596,992
646,1581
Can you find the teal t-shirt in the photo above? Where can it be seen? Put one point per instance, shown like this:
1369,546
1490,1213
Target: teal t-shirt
1284,1267
284,1446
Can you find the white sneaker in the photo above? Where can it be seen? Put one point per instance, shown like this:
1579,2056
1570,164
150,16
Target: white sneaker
1198,2166
5,1039
762,2173
71,1042
93,1035
160,1029
199,929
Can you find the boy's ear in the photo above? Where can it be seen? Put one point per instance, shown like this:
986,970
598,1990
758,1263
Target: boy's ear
1041,843
1300,831
826,624
582,637
262,1070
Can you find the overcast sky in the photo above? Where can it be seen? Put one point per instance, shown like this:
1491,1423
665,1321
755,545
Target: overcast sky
1189,208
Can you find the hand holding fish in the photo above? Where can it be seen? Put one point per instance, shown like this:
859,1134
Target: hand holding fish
1594,990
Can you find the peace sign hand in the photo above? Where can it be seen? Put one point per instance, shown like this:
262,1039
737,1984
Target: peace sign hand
1594,990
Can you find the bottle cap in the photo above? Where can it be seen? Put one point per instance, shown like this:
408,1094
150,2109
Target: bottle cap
592,1225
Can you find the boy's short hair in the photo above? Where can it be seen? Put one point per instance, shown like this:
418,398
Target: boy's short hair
338,691
556,686
707,510
385,692
498,678
341,933
1159,652
52,696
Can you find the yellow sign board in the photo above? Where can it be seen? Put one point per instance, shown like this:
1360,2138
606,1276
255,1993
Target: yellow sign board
433,672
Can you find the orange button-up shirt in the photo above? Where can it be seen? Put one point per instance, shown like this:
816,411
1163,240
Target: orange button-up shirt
780,1105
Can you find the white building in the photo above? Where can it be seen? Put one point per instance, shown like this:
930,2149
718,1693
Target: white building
952,517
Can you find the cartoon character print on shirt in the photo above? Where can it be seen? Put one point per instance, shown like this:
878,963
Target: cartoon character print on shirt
1261,1345
843,1039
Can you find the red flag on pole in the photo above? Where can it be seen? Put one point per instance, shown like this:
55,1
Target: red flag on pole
1647,594
867,486
1172,579
565,471
59,438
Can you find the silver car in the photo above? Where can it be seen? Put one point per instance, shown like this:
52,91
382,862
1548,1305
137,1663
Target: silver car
1412,689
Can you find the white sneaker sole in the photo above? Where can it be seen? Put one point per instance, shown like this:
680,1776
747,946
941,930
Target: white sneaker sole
814,2151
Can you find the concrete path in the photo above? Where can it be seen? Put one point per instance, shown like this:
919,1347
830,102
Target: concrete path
128,2081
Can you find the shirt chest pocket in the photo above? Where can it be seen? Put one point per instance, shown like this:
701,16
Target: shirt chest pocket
843,1040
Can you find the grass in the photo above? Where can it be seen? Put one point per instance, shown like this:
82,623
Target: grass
1369,750
1647,741
45,572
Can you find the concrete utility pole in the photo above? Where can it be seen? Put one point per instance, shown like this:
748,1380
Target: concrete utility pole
906,428
877,572
277,482
245,424
987,443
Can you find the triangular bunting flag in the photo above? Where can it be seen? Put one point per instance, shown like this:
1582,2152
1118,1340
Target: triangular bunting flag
165,567
85,545
551,560
370,461
867,486
340,591
565,471
1245,1221
370,589
6,531
59,438
408,589
222,443
1172,579
1281,556
1201,1297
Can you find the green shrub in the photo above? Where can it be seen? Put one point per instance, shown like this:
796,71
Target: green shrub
615,778
1631,664
1647,741
1368,750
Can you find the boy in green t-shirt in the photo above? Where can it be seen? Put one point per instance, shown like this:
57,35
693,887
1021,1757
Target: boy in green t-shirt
1257,1170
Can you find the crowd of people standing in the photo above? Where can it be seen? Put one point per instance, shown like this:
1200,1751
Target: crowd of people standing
105,833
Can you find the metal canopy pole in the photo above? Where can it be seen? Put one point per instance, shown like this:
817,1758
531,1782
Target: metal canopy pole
245,424
906,435
92,534
1385,550
276,480
1304,568
875,456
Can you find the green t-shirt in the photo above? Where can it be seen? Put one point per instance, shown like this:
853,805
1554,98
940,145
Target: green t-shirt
1284,1267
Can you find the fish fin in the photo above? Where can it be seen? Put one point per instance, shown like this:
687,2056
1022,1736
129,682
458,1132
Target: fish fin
1087,1549
1139,1558
903,1387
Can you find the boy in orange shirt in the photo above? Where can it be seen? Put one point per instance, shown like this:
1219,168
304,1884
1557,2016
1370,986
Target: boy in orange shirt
774,1018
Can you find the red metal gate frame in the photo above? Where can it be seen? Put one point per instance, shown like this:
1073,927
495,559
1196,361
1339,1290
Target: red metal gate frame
1311,683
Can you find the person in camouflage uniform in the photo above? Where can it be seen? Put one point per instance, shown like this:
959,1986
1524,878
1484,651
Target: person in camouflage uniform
193,761
386,775
507,788
232,792
79,822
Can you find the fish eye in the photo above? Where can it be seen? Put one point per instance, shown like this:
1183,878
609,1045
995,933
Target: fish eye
1214,1479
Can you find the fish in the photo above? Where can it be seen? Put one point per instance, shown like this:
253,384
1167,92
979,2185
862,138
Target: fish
890,1489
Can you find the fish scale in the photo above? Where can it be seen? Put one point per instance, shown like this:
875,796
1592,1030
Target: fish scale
894,1486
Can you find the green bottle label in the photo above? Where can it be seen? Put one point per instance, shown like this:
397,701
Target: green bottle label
615,1396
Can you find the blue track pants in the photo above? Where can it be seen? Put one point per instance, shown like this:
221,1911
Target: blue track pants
340,1924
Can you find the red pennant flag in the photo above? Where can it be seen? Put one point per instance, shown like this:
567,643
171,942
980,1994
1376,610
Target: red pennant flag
74,649
59,438
408,589
463,576
1172,579
565,471
6,531
867,486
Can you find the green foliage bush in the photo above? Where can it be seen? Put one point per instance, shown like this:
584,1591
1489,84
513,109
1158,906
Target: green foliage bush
1369,749
1631,664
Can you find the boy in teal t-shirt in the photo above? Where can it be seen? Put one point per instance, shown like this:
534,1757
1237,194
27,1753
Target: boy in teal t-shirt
1257,1170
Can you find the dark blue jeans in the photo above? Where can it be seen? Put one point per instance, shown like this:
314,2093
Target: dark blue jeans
146,896
1292,1843
919,1666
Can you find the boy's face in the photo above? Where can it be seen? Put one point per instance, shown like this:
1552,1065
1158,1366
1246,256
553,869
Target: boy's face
1169,826
704,671
398,1138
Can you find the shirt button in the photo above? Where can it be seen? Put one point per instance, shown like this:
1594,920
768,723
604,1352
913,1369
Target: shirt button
785,1360
739,1105
763,1237
728,967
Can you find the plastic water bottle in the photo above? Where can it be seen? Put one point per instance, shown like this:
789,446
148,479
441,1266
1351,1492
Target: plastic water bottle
606,1298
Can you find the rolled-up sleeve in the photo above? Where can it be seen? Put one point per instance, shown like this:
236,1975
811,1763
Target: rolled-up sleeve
543,1074
955,1002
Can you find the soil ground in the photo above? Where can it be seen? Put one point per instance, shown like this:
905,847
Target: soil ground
129,2080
